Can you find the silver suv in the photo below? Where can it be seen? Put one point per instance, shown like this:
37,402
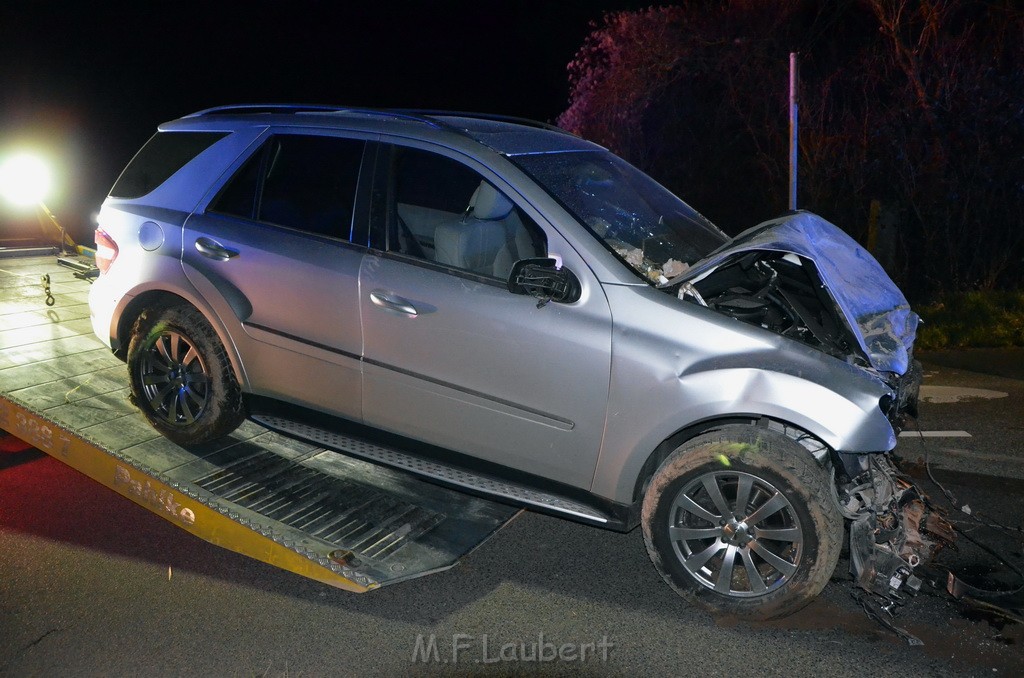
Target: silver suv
507,301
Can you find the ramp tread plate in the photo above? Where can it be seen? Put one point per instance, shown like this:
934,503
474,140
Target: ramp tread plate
394,525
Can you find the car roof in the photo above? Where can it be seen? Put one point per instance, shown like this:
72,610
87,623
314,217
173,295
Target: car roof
502,134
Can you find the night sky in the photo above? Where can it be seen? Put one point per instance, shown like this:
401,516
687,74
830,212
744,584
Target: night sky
86,84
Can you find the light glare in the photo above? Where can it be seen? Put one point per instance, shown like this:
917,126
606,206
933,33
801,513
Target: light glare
24,180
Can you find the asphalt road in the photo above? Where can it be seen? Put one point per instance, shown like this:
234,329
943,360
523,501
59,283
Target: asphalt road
91,584
980,392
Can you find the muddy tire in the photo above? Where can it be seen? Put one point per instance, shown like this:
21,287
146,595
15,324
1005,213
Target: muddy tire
181,378
740,522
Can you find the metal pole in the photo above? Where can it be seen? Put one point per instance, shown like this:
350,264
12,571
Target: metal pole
793,77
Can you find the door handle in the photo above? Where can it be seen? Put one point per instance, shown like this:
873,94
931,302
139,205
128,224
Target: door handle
392,301
214,250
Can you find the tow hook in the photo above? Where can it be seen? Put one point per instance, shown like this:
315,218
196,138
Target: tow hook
50,301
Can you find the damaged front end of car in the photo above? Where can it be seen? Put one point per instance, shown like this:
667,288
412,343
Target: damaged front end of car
803,278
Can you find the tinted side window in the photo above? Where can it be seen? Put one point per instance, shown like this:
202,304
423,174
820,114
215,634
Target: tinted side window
442,211
163,155
433,181
302,182
238,197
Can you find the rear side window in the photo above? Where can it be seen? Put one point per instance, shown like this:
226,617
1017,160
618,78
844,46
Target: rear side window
163,155
307,183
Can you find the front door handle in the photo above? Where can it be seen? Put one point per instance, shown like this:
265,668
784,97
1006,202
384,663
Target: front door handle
393,302
214,250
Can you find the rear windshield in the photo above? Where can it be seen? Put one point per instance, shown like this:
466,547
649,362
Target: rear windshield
163,155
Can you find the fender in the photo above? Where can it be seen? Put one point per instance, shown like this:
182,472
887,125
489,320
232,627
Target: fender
677,365
850,423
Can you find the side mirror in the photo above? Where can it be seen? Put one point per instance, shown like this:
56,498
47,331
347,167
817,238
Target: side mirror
541,279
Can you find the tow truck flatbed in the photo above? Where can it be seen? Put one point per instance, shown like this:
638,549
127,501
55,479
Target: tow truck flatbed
287,502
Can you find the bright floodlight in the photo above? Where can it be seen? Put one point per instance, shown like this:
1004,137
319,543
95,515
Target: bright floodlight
24,179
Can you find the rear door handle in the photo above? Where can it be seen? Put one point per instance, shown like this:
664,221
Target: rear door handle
393,302
214,250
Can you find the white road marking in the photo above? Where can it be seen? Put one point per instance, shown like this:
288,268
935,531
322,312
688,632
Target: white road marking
956,394
935,434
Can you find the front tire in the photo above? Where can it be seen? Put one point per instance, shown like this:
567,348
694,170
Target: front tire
740,522
181,378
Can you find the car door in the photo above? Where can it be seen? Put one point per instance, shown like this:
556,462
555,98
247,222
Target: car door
274,244
451,356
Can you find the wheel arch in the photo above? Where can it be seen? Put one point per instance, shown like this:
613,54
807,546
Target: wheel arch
681,436
159,298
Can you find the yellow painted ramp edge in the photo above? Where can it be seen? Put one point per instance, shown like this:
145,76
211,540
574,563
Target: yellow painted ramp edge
172,504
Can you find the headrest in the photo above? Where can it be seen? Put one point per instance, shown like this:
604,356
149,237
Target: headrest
489,204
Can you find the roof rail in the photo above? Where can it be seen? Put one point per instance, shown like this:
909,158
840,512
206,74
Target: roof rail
484,116
265,108
395,113
314,108
428,116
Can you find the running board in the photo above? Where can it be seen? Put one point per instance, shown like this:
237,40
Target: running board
457,477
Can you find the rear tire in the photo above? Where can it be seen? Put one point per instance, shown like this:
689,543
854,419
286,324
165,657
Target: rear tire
740,522
181,378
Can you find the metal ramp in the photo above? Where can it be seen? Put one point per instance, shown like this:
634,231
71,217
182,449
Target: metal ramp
287,502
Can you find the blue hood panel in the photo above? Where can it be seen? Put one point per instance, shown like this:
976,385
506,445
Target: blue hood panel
873,306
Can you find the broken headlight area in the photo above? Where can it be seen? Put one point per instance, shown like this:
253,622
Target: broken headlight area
906,389
780,292
893,529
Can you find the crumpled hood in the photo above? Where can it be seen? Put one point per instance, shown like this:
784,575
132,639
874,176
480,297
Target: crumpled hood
873,306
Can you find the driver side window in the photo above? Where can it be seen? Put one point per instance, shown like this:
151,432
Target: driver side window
440,210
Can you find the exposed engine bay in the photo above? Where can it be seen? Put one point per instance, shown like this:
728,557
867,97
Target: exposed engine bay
806,279
892,531
781,292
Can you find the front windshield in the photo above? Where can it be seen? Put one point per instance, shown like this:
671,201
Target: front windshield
655,233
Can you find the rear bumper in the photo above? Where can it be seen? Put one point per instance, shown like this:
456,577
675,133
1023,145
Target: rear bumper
102,305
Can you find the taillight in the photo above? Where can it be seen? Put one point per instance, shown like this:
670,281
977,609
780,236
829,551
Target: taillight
106,251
